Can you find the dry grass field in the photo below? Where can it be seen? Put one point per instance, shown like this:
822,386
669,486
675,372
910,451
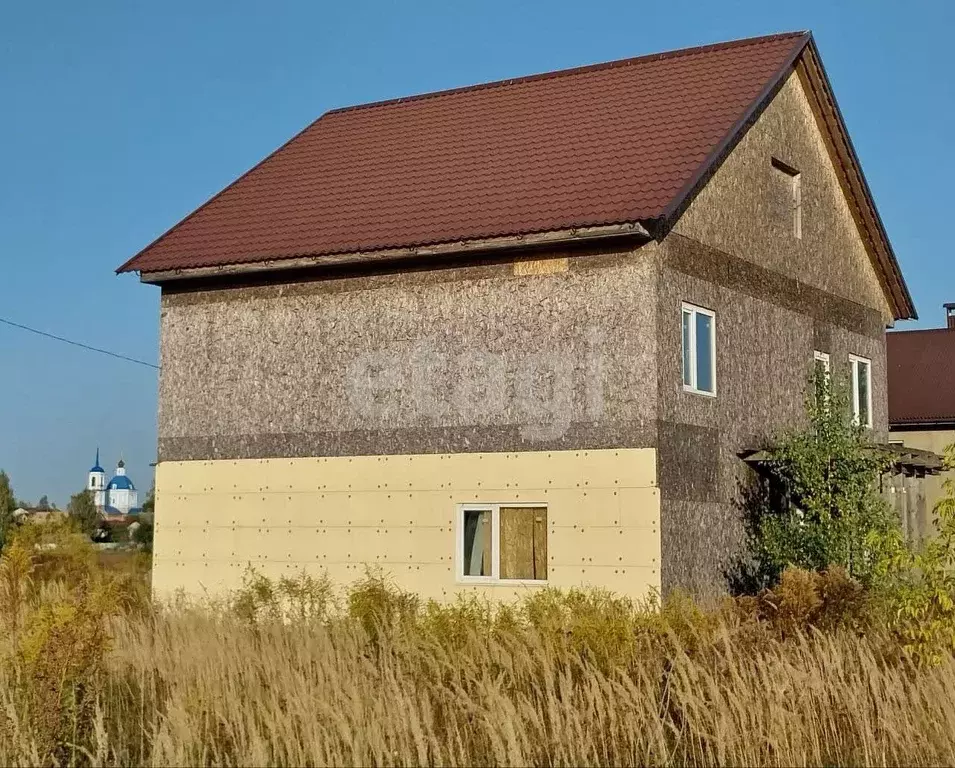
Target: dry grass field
298,673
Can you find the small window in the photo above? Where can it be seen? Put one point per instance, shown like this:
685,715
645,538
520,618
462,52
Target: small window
502,542
793,181
861,389
699,350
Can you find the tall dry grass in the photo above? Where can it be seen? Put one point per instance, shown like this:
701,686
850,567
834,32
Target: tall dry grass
198,689
297,673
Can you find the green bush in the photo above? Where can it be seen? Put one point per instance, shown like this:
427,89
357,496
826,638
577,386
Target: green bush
379,606
455,625
60,660
302,597
595,624
824,508
55,604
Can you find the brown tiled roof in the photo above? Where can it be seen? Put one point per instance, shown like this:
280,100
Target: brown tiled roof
921,377
606,144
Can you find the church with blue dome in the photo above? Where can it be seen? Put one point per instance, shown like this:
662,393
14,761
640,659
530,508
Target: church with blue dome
117,496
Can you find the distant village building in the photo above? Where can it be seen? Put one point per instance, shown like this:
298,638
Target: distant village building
921,373
116,497
35,514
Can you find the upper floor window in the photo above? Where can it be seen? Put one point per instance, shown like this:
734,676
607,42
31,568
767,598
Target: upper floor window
792,179
699,350
861,380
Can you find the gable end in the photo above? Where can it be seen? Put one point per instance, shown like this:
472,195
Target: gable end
806,63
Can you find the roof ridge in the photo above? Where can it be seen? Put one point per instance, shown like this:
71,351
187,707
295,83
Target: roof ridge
553,74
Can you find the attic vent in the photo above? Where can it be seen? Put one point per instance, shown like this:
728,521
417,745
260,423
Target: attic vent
792,179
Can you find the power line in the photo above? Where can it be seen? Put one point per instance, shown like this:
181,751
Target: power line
78,344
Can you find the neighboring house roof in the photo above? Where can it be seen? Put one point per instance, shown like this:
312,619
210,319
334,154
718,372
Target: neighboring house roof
623,143
921,377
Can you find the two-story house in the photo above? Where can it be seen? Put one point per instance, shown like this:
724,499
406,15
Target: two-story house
516,334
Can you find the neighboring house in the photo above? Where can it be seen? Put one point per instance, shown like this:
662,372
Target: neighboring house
516,334
35,514
922,396
118,496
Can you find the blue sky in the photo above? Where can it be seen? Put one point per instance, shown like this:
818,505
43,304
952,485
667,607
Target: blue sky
119,118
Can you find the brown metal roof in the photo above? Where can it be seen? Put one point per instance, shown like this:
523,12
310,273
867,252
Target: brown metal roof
921,377
616,146
605,144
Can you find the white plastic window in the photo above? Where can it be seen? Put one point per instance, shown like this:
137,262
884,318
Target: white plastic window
699,350
861,374
502,543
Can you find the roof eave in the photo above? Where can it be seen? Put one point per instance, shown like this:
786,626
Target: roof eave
632,230
944,424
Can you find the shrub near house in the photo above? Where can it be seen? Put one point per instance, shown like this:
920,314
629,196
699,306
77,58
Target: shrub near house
822,506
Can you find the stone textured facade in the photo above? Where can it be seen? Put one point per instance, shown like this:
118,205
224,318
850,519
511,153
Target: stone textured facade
577,349
777,298
488,357
745,208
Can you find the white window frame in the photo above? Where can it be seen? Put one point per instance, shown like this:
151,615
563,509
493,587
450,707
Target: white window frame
495,577
854,361
695,310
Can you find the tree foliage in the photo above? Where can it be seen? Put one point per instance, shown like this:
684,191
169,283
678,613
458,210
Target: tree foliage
149,505
142,533
8,504
826,509
83,512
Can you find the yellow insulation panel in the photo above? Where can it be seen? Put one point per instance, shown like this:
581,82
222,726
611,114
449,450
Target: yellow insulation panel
400,513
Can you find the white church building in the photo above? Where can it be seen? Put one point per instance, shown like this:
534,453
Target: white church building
116,497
